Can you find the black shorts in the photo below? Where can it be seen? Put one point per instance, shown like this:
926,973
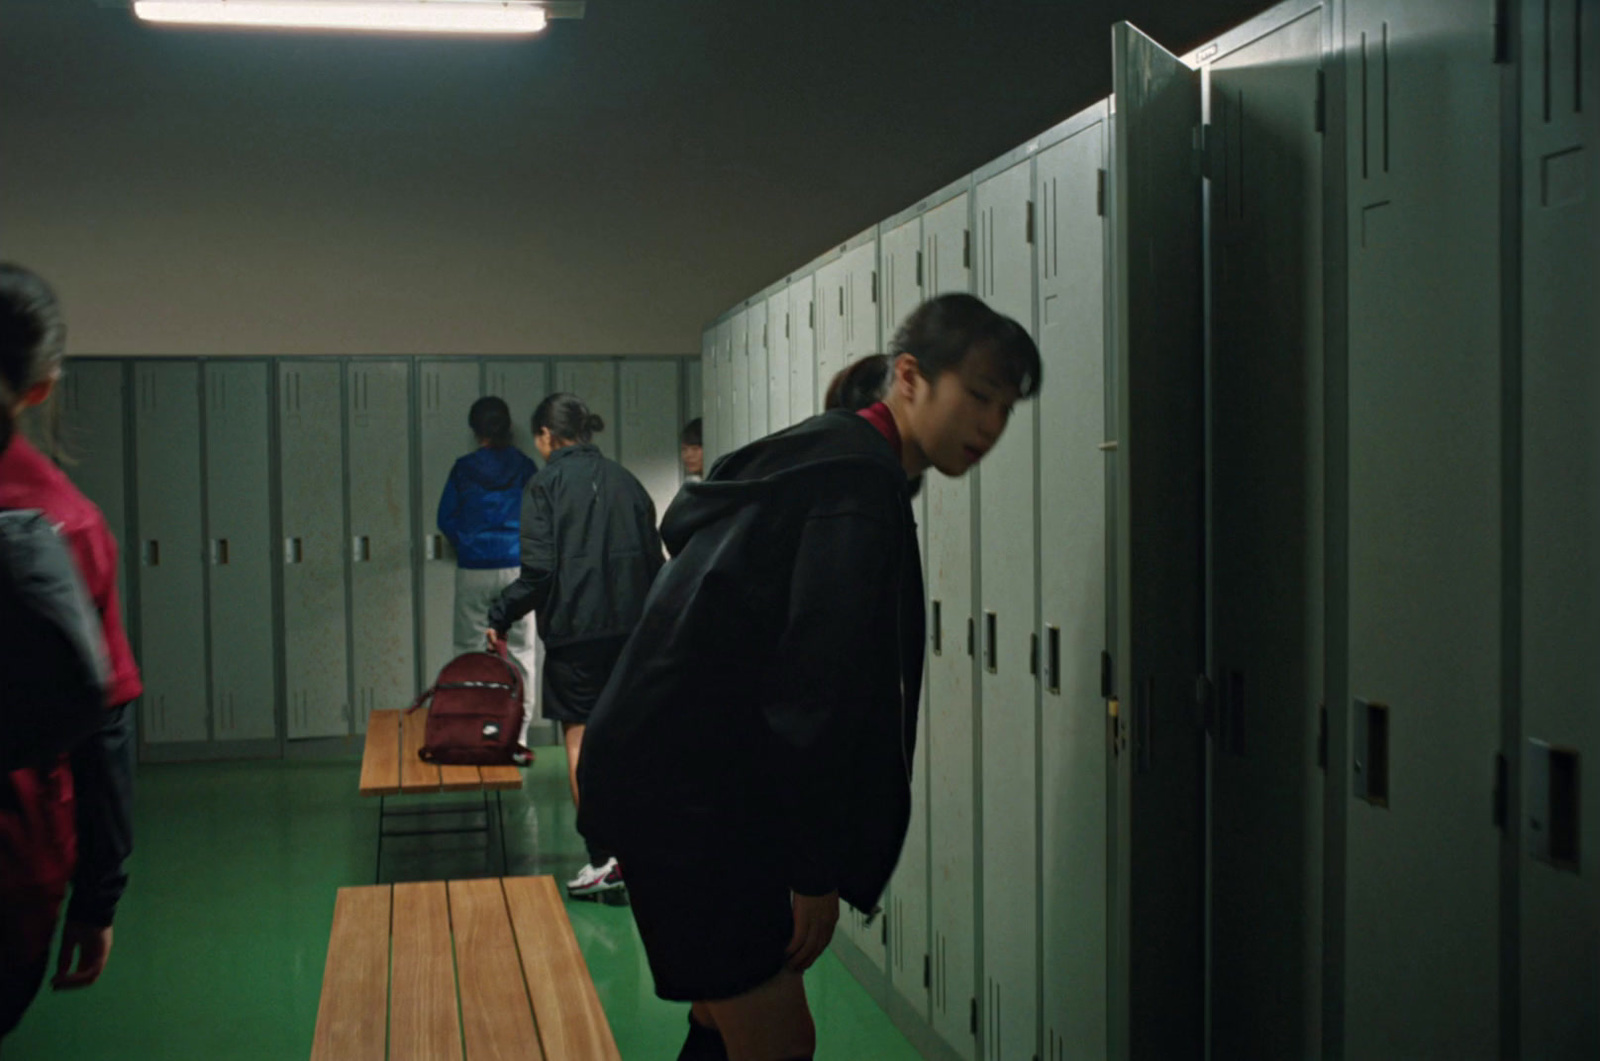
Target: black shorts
716,922
575,676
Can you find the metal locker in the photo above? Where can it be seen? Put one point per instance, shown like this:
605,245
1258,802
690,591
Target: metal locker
832,291
1424,541
171,610
93,418
523,383
710,413
238,471
1158,929
1008,644
760,344
383,661
952,768
650,428
1264,161
803,402
596,383
1560,563
446,390
947,248
738,387
311,489
694,396
779,326
951,703
1073,502
907,906
722,384
860,323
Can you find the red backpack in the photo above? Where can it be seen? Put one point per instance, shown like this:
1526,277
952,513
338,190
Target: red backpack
476,715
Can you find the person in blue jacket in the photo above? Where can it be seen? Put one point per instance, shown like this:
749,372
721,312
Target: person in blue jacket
481,513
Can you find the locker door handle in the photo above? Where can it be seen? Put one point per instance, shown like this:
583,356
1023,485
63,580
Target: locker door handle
1052,662
294,551
152,553
991,652
1553,796
219,551
938,628
1371,763
361,548
970,636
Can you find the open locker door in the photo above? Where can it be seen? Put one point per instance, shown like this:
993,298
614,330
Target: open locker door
1157,876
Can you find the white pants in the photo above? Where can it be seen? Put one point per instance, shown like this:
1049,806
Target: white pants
476,592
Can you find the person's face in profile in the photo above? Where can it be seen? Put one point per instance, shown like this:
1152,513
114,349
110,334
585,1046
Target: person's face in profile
694,458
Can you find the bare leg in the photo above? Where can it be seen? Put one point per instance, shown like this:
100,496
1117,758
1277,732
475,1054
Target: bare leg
573,735
770,1023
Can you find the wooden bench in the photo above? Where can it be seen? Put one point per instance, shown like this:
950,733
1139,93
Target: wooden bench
458,971
390,767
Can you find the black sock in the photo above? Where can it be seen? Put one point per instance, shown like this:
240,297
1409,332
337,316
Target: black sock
703,1044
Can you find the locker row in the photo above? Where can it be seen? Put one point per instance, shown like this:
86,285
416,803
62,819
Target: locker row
281,566
1260,665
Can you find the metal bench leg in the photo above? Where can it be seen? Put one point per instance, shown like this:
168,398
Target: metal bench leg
377,872
500,814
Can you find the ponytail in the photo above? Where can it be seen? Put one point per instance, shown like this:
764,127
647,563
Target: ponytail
567,418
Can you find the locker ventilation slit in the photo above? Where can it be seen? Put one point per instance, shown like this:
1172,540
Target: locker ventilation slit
1577,57
1549,56
1366,123
1386,97
1502,32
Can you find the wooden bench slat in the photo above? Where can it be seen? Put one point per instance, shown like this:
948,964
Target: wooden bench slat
380,762
496,1016
572,1025
415,775
353,1015
423,1020
501,777
459,779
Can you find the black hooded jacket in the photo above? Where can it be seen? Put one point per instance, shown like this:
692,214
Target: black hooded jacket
769,694
589,550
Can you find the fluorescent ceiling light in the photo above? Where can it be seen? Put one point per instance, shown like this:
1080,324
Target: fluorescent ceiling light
400,16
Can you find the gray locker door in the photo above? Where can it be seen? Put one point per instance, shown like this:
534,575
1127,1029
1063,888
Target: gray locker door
383,662
1560,900
778,345
596,383
523,383
1266,505
694,396
311,484
1424,531
1007,631
171,576
711,415
861,302
803,402
1158,955
908,891
952,768
952,704
93,418
760,358
738,388
650,428
832,295
447,390
1073,766
244,661
947,247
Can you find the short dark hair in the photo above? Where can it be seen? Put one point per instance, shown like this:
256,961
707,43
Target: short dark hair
568,418
691,433
490,420
859,384
940,332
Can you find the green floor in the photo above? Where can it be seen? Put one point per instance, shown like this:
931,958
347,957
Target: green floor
221,939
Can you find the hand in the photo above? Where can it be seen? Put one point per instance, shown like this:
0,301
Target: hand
91,946
814,919
493,640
